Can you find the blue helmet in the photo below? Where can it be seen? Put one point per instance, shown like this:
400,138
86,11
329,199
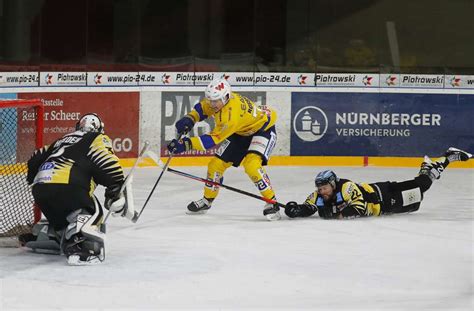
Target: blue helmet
326,177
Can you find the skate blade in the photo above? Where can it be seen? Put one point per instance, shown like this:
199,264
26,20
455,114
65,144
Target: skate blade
74,260
202,212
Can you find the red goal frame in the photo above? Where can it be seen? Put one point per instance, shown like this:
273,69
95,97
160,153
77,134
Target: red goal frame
37,104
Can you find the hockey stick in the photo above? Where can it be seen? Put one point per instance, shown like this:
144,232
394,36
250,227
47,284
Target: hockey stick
156,159
130,174
137,215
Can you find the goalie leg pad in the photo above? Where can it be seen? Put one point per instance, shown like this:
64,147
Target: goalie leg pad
45,239
83,239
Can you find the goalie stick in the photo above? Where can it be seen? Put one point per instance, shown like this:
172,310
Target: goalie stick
156,159
137,215
130,174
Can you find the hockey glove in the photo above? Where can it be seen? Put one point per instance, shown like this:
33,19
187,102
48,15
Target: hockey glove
292,209
327,212
180,146
184,125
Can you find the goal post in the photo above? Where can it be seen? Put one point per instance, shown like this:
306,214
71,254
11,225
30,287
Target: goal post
21,132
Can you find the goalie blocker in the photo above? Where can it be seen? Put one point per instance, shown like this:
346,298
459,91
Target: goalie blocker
121,203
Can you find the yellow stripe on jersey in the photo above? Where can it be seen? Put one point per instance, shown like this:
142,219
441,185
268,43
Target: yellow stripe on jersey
102,154
372,208
352,195
61,171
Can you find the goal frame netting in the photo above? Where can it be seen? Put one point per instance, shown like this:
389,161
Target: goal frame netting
38,107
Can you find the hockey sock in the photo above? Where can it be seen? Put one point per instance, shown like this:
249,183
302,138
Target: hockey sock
215,172
254,169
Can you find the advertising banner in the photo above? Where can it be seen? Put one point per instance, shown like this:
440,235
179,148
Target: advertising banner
118,110
239,78
176,78
258,79
63,78
347,80
457,81
421,81
175,105
380,124
19,79
284,79
389,80
113,78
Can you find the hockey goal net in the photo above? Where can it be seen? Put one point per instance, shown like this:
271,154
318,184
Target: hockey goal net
21,132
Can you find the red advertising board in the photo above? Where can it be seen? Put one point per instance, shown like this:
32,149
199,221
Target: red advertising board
118,110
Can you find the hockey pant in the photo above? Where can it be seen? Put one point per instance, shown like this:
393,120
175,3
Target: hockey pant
402,197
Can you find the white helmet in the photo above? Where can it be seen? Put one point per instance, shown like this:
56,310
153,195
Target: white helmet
218,89
90,122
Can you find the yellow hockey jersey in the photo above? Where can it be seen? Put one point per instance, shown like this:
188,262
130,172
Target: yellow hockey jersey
239,116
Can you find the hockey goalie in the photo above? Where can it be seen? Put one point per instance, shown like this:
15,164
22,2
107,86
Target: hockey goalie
64,176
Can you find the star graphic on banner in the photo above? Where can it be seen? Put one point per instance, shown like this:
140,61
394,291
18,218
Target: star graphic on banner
455,82
49,79
302,79
97,78
367,80
391,80
165,78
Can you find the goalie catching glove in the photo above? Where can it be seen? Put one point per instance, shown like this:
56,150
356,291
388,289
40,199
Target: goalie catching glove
120,203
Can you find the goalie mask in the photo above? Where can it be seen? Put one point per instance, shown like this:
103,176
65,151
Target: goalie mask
90,122
218,89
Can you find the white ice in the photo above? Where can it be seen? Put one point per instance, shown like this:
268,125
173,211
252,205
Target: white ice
233,258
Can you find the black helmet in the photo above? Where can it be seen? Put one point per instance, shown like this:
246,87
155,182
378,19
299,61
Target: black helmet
326,177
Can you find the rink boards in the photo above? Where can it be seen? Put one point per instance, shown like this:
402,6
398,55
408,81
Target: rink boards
316,125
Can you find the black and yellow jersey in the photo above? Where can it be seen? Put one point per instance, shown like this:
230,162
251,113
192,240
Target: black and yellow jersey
350,200
79,158
240,116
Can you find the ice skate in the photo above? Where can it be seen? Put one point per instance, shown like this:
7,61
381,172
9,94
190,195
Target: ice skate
199,206
86,260
455,155
272,212
82,252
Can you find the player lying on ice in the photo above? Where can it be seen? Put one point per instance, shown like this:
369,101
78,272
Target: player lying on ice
337,198
64,176
246,135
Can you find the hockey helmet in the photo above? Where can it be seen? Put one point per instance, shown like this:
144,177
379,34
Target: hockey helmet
326,177
218,89
90,122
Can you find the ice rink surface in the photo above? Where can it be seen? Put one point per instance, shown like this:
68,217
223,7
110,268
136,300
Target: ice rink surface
233,258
